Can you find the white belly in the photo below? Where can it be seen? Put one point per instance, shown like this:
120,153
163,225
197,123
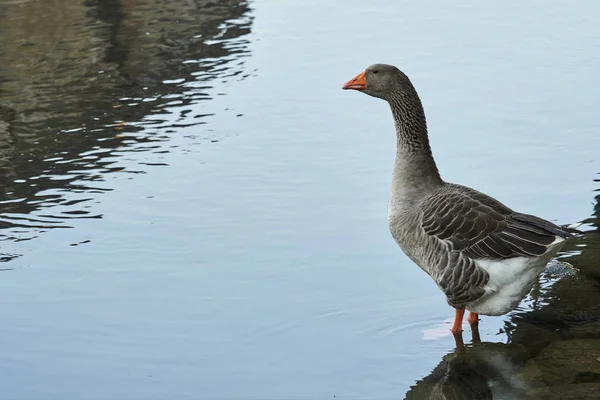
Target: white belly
510,281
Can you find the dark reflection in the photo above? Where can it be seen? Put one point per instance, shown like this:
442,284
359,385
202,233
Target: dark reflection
553,346
481,371
82,84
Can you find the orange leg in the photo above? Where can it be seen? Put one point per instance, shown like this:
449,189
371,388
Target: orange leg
473,318
457,327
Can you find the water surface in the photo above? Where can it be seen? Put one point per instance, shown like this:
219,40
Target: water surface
193,208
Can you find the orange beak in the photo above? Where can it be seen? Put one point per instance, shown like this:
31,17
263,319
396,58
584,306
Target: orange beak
356,83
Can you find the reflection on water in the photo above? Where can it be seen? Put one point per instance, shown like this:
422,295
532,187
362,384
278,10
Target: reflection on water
84,84
482,371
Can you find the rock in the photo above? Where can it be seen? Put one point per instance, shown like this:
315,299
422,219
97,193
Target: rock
530,376
533,338
578,391
591,330
564,362
587,260
568,302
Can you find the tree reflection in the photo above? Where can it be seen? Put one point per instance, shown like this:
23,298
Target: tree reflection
72,74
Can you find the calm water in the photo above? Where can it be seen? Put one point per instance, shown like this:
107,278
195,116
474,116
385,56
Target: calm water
191,207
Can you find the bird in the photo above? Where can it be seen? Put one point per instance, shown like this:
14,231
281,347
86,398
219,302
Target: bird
484,256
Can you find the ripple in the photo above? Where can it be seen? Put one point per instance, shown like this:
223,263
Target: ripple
94,85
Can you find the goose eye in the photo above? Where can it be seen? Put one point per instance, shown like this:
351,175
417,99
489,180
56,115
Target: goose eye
376,71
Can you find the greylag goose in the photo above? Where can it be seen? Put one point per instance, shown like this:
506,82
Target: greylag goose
484,256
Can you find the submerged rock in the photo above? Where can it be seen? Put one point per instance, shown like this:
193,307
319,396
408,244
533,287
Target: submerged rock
578,391
564,362
569,302
584,331
532,337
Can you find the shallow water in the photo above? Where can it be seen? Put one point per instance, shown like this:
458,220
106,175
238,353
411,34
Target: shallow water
193,208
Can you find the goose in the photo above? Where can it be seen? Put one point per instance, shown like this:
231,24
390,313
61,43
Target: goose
484,256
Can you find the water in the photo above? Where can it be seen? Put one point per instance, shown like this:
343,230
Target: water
227,200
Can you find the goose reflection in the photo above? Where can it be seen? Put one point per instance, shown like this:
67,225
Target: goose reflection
478,370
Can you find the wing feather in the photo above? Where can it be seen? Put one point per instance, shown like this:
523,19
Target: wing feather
482,227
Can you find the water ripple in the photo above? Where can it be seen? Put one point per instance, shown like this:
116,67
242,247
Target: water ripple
84,87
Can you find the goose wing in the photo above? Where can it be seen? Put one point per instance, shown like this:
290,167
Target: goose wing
481,227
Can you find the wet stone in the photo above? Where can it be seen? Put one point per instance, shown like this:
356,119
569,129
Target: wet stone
564,362
534,338
570,302
587,331
577,391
